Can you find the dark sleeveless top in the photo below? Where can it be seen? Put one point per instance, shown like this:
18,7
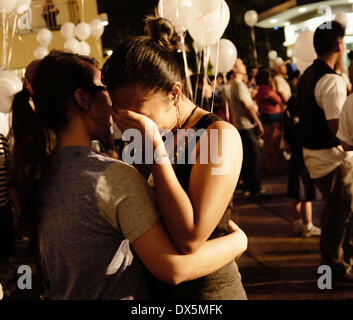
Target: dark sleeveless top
224,284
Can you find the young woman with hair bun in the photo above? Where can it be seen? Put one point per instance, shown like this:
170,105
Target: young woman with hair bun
146,83
85,209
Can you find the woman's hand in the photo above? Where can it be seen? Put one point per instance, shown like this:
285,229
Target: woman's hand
127,119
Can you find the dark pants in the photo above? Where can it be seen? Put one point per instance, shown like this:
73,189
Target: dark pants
6,232
336,232
251,161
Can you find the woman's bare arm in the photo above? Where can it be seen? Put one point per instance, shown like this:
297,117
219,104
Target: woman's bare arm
158,254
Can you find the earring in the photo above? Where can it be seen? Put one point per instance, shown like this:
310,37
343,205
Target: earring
178,116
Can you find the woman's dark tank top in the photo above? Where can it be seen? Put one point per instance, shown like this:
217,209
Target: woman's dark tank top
224,284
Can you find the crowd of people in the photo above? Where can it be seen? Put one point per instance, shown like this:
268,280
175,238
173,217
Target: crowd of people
106,230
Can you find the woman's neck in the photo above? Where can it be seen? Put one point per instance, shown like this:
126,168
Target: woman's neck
74,135
190,113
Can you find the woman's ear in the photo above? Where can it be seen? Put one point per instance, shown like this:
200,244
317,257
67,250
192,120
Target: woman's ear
81,99
177,91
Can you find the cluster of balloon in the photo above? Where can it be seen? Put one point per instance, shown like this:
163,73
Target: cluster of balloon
10,84
206,22
76,36
304,50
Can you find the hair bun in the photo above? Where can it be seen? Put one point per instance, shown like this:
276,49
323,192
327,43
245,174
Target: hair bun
162,31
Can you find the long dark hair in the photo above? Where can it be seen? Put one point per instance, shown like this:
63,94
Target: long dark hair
151,61
38,115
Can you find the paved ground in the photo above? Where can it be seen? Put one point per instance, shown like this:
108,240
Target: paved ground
277,265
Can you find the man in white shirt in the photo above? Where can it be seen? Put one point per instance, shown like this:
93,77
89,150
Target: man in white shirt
281,84
249,126
321,94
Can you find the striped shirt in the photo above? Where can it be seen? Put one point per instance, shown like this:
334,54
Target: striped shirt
4,161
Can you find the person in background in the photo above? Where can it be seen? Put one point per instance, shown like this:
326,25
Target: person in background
250,128
293,77
350,68
300,186
281,84
220,103
321,95
6,216
252,72
341,70
270,104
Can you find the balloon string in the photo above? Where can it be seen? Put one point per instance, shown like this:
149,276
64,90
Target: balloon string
83,10
12,38
206,60
187,73
99,48
161,9
225,81
199,57
217,60
3,40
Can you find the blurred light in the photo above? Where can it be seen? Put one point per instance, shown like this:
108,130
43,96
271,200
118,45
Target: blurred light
109,52
287,24
274,20
276,28
302,10
350,1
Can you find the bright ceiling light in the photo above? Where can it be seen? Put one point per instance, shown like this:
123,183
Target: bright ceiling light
302,10
274,20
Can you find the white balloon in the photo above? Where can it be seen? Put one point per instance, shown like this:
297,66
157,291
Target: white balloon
227,56
40,52
22,6
73,46
10,85
7,6
272,55
207,29
85,48
68,30
44,37
304,47
97,28
176,11
83,31
342,18
251,18
207,6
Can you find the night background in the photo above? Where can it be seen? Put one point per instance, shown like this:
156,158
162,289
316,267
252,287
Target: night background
126,20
